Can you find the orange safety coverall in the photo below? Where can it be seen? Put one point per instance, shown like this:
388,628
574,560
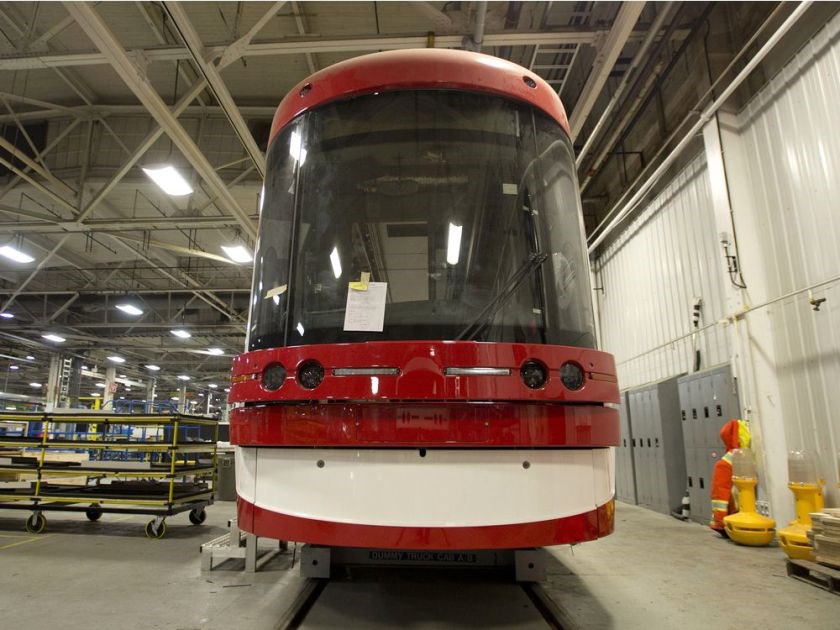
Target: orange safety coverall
735,434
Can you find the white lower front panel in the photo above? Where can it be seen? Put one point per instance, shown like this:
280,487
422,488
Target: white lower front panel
444,488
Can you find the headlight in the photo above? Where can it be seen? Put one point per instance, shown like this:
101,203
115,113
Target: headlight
534,374
571,374
310,374
273,377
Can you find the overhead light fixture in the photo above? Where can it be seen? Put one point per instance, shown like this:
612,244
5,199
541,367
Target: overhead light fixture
183,377
102,385
6,315
180,332
34,384
15,254
14,367
175,398
130,309
215,351
227,389
238,253
453,248
29,357
95,394
122,375
55,338
116,359
336,262
212,386
169,180
153,368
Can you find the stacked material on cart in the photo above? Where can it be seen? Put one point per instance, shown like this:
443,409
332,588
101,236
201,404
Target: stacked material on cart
826,533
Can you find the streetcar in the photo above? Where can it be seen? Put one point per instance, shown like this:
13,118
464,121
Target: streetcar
421,368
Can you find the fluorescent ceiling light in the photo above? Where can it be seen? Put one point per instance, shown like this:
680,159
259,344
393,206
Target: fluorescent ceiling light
102,385
238,253
95,394
153,368
453,248
116,359
183,377
201,394
174,398
130,309
34,384
6,315
122,397
212,386
55,338
336,263
183,334
15,254
14,367
30,357
169,180
227,389
215,351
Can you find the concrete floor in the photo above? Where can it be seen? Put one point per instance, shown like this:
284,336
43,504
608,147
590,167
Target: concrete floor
654,572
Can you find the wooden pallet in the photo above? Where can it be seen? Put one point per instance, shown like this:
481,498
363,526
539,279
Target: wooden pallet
817,574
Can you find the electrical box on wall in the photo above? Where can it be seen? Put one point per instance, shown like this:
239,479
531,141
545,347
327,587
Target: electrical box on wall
708,400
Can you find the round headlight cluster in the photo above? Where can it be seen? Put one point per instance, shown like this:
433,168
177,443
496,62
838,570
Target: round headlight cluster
534,374
571,374
310,374
273,377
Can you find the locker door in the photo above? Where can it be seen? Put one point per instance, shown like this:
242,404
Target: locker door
637,429
660,469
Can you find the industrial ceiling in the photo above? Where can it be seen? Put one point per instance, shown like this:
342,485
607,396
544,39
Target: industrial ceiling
92,93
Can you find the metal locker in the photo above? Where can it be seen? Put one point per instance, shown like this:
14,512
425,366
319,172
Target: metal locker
625,483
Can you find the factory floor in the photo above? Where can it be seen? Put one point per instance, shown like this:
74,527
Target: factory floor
654,572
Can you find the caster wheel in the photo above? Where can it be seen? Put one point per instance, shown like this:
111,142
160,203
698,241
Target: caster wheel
155,532
198,516
93,512
36,523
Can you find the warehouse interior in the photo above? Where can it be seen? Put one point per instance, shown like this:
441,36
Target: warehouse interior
706,145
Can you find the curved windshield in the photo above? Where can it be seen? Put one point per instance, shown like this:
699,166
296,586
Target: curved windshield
421,215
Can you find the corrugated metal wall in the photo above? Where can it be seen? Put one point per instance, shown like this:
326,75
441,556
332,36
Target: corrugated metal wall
792,129
668,256
788,225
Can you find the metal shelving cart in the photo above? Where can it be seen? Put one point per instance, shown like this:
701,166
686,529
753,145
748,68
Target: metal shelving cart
97,463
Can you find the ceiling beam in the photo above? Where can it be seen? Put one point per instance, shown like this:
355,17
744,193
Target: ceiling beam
102,36
301,45
605,59
155,224
210,72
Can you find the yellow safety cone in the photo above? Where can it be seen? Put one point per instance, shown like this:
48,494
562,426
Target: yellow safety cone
747,527
807,492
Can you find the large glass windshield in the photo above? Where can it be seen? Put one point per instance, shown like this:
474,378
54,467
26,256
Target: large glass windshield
455,216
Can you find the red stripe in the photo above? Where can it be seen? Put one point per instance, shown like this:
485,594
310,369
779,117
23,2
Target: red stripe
436,425
561,531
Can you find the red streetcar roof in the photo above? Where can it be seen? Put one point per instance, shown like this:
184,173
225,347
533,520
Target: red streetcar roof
417,69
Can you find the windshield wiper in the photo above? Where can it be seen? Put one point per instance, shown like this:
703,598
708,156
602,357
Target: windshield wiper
489,312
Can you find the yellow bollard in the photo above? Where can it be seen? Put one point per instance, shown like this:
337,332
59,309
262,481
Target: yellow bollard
747,527
807,492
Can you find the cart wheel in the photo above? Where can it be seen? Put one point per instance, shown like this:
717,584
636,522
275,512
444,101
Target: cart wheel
36,523
155,532
198,516
93,512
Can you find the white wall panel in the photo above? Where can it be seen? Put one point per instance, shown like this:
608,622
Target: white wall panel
782,157
790,135
650,276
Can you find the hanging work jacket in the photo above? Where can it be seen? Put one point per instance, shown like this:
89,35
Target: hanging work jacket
735,434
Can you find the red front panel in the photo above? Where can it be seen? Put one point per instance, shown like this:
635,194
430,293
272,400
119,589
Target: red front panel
571,529
421,366
432,425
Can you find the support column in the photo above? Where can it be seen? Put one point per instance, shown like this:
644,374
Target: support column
752,353
150,394
182,398
53,383
110,387
75,382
